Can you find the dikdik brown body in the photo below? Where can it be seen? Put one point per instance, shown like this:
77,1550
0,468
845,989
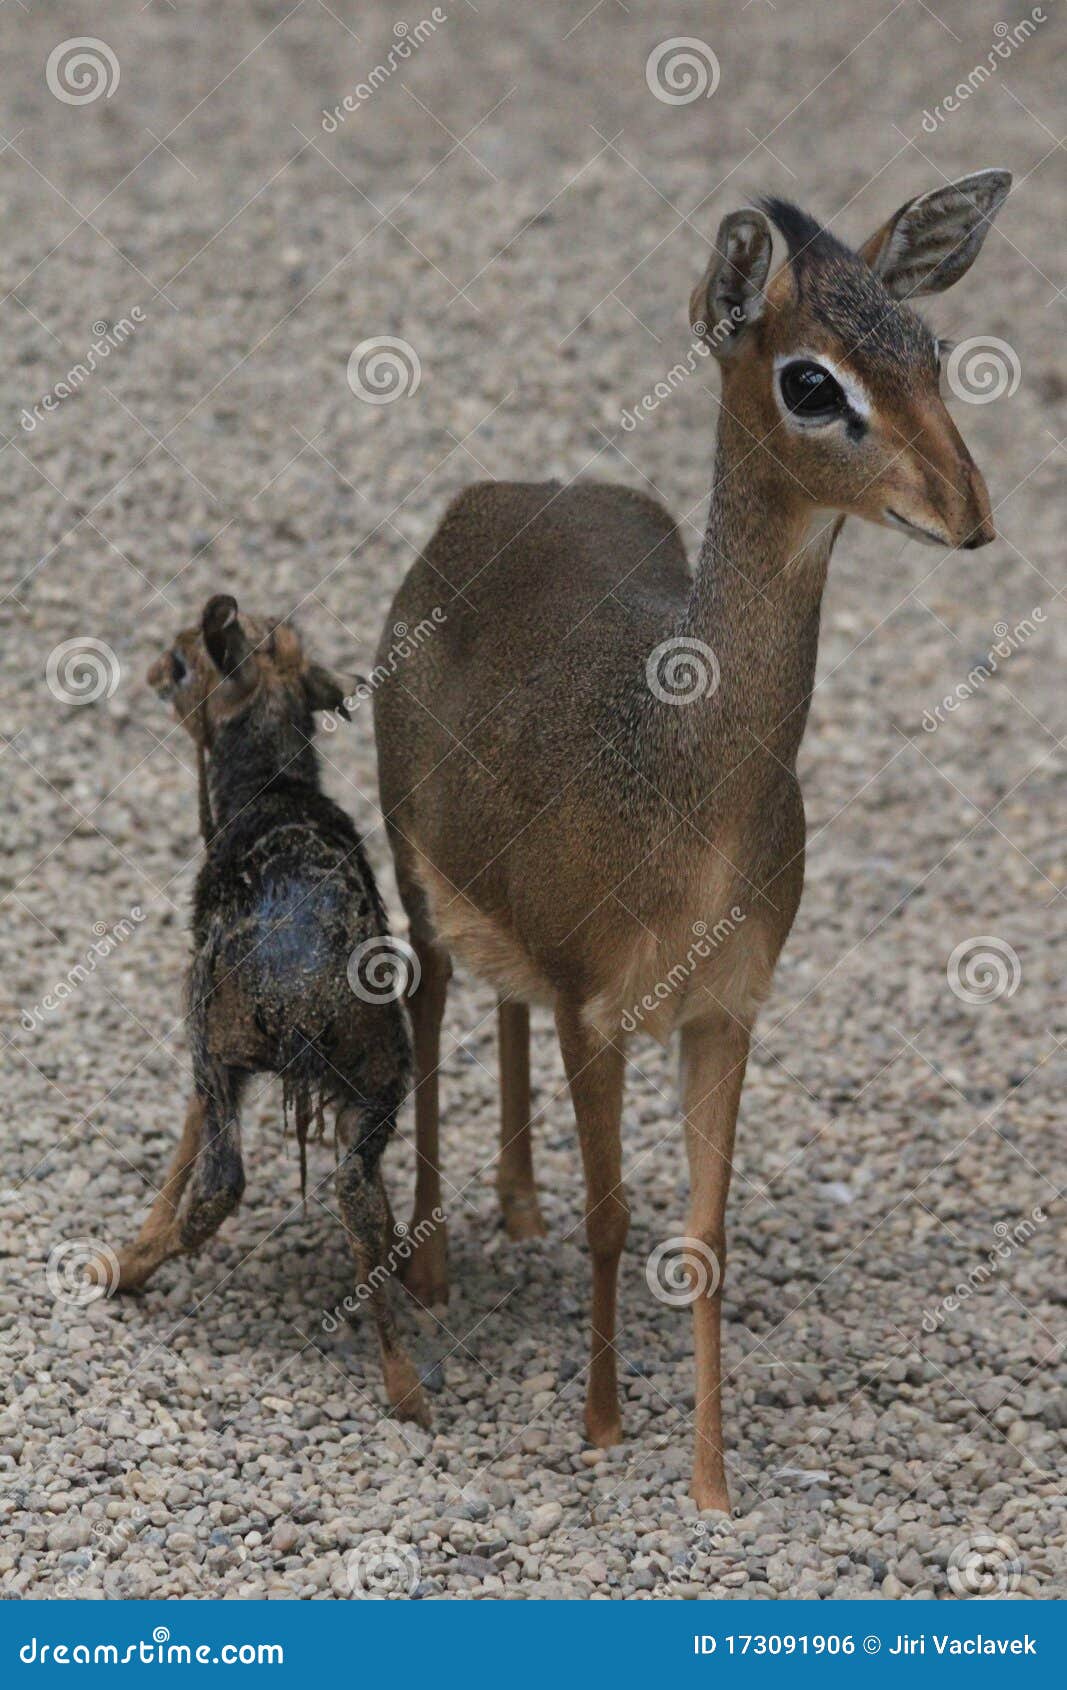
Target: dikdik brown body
591,762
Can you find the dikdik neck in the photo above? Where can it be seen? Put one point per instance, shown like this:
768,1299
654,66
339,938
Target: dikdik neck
254,753
755,601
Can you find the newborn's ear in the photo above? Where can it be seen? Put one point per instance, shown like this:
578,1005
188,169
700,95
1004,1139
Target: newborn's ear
224,637
323,690
932,241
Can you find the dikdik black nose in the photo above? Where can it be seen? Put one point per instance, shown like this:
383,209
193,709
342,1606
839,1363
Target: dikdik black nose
980,537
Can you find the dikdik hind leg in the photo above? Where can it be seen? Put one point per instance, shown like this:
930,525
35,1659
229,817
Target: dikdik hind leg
515,1176
209,1155
218,1179
361,1135
595,1076
158,1238
426,1273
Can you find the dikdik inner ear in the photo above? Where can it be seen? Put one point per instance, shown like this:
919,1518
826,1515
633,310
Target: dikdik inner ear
729,299
224,637
932,241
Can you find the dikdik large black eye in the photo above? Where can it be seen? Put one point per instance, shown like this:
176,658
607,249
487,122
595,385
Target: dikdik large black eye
178,668
810,391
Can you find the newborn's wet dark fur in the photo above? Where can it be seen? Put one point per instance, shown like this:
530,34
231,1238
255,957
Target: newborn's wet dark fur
287,924
283,900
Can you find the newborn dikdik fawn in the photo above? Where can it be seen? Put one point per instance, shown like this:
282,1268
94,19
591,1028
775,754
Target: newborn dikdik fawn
569,805
284,898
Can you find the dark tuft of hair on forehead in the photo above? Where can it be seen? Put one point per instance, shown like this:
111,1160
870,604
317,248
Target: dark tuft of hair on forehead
804,235
841,292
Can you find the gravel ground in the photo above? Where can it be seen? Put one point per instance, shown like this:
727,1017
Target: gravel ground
516,204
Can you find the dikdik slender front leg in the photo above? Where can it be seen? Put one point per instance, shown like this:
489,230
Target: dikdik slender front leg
595,1075
714,1055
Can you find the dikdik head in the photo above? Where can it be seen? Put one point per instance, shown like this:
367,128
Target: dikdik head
834,374
229,664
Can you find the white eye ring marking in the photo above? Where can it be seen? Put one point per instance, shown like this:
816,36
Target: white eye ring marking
857,397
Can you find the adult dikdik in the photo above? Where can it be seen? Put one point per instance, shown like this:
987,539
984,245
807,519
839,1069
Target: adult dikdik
590,765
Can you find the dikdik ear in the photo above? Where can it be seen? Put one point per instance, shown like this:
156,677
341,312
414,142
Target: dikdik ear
224,637
932,241
324,691
729,297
